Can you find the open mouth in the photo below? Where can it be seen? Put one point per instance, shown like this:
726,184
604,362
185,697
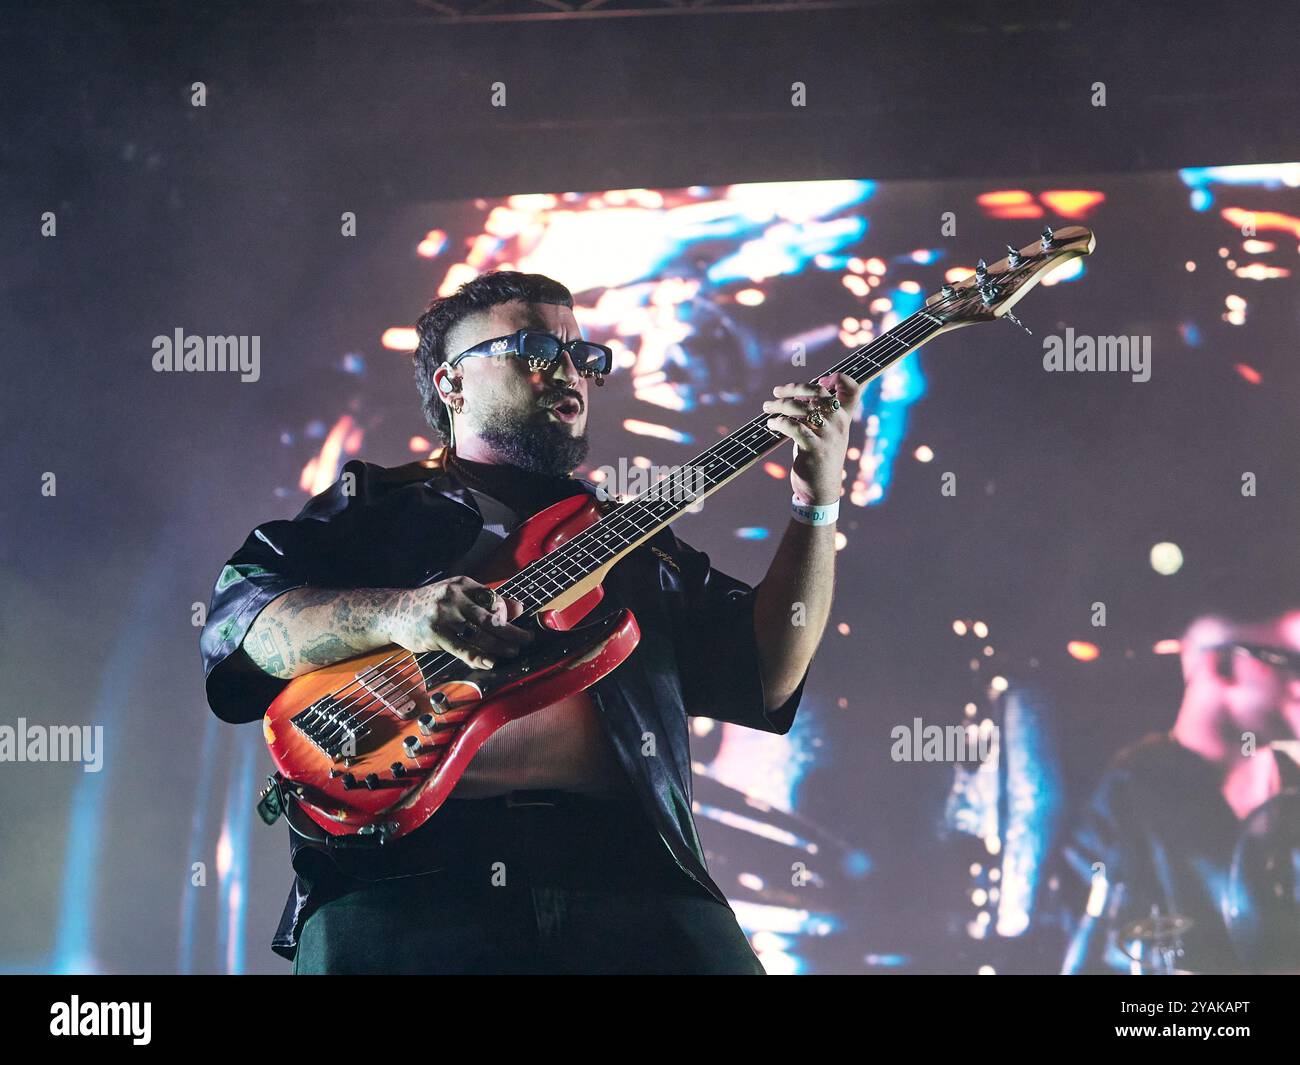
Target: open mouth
566,410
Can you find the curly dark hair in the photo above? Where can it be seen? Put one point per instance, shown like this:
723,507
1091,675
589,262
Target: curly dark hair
479,294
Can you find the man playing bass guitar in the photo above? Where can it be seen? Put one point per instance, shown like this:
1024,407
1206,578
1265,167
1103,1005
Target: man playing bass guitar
568,844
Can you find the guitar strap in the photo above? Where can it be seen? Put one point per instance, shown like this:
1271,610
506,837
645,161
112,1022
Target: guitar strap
277,800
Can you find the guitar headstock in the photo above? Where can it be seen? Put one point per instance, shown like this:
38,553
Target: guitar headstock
993,290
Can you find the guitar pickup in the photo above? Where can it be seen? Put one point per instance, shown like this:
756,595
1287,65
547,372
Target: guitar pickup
394,693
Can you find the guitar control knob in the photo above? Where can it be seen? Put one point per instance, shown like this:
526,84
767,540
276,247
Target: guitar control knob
349,782
411,745
372,781
425,722
439,700
399,770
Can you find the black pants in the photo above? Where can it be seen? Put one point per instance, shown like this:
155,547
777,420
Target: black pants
582,886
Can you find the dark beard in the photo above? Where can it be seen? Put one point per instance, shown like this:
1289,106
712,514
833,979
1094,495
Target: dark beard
542,447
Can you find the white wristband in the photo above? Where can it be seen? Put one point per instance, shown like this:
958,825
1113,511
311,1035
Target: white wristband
814,515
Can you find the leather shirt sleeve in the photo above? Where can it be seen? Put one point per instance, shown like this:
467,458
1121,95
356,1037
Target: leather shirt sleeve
325,545
717,648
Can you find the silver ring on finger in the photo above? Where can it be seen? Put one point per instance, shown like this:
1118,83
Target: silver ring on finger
815,419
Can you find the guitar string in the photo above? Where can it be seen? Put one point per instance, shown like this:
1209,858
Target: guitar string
402,670
917,324
406,660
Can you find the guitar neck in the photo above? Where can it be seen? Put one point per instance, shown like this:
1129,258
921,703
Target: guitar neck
606,541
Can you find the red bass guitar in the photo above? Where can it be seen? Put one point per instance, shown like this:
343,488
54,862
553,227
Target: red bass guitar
372,746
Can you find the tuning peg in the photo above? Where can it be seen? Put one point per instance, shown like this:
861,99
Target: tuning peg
1016,321
947,291
981,270
1013,256
1048,238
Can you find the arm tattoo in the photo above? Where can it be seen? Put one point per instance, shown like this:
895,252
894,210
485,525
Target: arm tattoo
327,649
305,598
354,611
271,649
310,627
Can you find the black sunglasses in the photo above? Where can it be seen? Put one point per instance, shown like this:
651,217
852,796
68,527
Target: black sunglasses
542,351
1277,657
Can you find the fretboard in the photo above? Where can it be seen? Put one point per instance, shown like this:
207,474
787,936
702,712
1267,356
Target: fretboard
546,578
